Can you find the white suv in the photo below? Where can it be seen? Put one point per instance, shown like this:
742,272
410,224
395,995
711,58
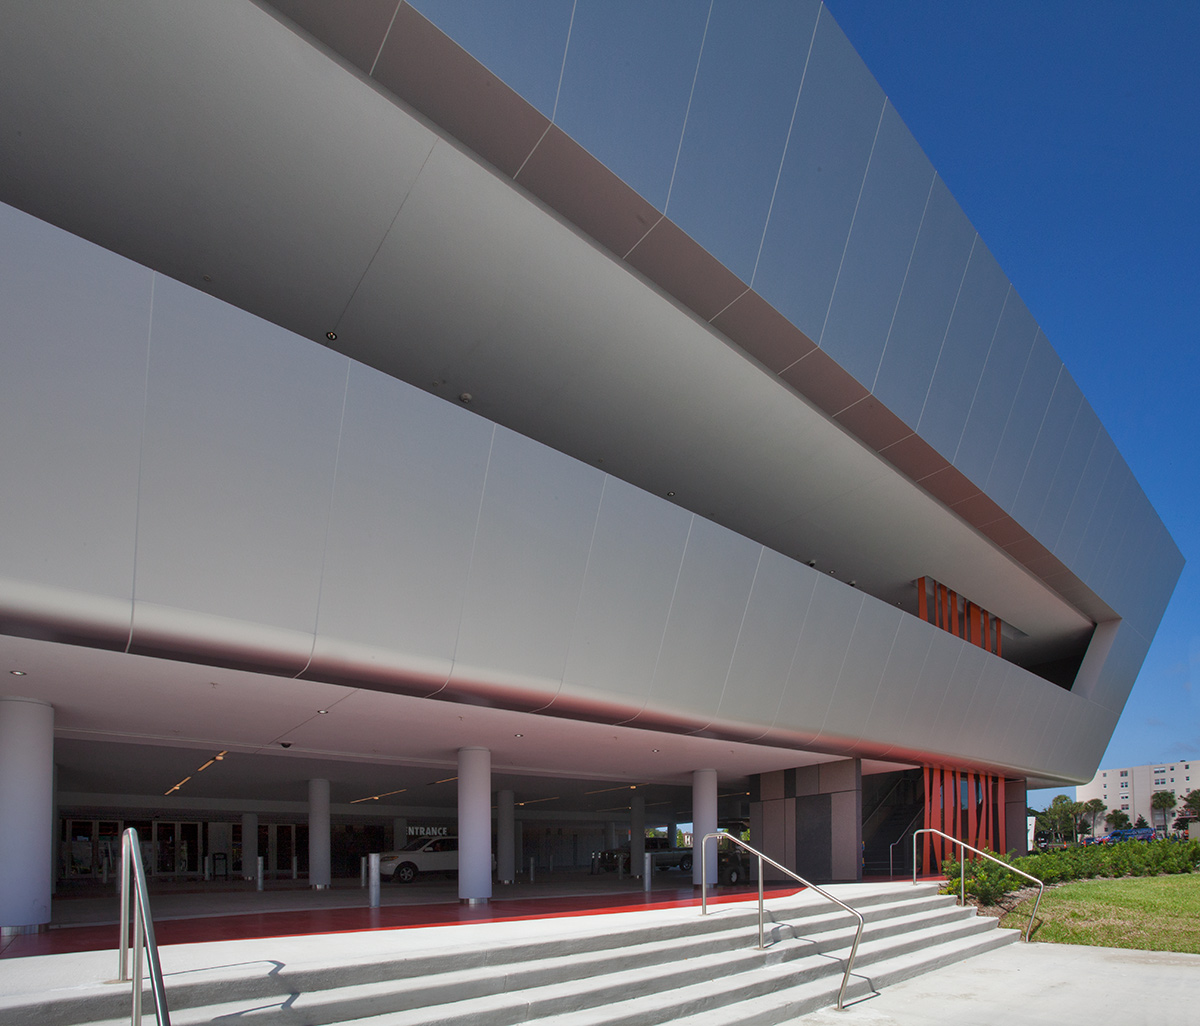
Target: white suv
420,855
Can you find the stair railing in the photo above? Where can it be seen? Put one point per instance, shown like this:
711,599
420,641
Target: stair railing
143,932
962,865
900,839
799,879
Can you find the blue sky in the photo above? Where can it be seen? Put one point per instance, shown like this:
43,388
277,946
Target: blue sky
1069,133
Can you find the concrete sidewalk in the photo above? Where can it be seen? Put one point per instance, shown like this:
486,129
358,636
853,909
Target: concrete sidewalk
1037,985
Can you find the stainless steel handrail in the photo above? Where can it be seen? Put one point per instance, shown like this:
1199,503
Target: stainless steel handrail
962,865
143,932
898,840
795,876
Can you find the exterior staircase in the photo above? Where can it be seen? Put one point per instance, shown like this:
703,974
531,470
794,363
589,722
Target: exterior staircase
658,966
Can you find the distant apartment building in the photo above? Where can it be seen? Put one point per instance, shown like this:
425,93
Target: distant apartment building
1129,788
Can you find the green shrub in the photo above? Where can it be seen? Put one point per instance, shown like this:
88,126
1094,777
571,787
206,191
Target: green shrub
988,881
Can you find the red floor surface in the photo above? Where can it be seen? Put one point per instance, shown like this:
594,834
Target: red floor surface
347,920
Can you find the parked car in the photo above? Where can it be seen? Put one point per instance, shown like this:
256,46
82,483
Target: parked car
666,856
420,855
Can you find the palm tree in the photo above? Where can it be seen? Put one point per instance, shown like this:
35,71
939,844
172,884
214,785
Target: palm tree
1165,801
1117,820
1095,808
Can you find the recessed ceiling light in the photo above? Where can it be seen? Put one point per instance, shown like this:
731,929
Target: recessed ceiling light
465,398
518,735
670,495
656,749
17,673
322,712
331,335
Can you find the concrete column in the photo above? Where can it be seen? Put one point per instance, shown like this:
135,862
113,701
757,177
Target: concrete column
637,834
399,832
474,825
249,846
505,851
318,834
610,835
704,821
26,811
56,837
519,844
672,832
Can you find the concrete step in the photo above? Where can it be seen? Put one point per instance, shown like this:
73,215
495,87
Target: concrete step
636,965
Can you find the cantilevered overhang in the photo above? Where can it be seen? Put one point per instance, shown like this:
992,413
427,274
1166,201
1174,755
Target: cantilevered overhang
442,230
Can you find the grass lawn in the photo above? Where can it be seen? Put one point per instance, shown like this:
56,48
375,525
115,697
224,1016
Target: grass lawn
1157,913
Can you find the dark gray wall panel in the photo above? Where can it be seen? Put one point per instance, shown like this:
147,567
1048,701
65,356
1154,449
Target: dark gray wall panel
707,612
889,213
521,41
837,116
536,522
767,642
410,474
729,162
626,84
931,286
995,396
1025,422
72,382
618,629
242,423
1049,456
964,352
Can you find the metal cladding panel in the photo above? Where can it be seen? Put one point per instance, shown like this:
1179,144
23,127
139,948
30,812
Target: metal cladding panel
536,521
991,714
767,644
858,683
625,87
914,728
1112,686
72,384
707,612
728,163
522,42
410,474
964,352
833,131
995,397
1049,459
879,250
1069,476
229,202
931,286
1105,520
633,565
1099,464
960,692
821,653
890,712
1025,423
242,422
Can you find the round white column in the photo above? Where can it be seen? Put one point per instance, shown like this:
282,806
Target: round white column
704,821
26,810
318,834
474,825
249,845
505,848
